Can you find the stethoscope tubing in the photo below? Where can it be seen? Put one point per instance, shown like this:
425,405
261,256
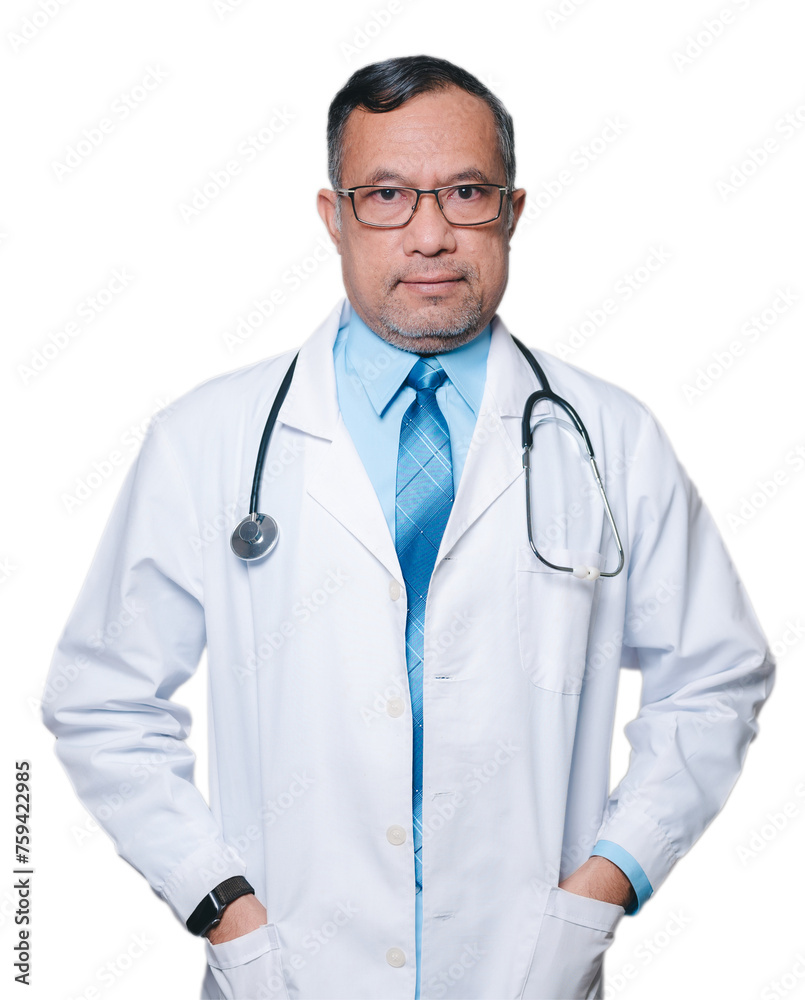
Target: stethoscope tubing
247,535
528,439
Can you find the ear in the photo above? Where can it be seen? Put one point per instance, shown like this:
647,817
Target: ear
518,204
326,202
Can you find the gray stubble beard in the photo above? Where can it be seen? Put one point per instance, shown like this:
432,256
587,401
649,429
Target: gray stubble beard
400,332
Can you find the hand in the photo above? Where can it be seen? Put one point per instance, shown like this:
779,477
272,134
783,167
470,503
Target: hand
242,915
600,878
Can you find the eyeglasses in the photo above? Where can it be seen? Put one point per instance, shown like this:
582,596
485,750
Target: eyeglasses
460,204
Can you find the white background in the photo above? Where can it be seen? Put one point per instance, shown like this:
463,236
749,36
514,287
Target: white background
686,124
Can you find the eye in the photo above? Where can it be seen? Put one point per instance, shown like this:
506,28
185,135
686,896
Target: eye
467,192
386,195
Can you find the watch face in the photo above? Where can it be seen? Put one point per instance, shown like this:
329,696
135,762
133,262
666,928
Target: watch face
209,912
206,915
217,911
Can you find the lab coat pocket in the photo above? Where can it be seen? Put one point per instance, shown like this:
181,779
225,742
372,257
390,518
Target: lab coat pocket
249,967
568,960
553,617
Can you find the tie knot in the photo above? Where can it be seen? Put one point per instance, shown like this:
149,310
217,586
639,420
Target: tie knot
427,373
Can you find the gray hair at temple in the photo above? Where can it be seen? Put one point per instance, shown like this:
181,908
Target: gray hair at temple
385,86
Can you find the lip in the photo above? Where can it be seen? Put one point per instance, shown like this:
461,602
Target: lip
430,283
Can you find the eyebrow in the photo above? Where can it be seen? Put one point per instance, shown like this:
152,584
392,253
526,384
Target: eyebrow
469,174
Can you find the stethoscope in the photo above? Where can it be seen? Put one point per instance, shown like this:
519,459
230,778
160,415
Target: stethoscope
257,534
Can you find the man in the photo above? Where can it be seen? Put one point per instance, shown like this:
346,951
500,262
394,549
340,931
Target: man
410,711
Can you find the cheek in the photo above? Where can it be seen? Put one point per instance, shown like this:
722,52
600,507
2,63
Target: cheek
492,264
368,261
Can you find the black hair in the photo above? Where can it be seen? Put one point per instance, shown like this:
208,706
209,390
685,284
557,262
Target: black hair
384,86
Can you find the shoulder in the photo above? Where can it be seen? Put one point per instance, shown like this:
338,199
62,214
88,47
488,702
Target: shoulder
227,399
596,395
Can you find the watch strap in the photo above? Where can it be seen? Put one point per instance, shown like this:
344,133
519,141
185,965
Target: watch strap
209,911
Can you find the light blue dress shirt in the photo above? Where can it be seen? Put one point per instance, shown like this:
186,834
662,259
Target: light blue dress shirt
369,377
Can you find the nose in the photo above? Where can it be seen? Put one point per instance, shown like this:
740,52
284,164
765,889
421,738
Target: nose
428,232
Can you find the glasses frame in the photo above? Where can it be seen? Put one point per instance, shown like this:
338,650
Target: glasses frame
350,193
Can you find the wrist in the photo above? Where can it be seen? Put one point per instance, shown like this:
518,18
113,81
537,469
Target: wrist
210,910
600,878
240,917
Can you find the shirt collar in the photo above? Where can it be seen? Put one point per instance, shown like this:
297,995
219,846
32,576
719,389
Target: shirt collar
382,368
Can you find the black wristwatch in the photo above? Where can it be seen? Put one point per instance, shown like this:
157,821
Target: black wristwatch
209,911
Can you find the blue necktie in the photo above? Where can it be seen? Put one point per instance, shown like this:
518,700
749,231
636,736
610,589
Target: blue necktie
424,501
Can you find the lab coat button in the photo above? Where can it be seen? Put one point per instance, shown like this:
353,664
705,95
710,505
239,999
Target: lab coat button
394,590
395,707
395,835
395,957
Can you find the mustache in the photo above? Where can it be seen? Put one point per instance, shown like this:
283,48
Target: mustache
437,268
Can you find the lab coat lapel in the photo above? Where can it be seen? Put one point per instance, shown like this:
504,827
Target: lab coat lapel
494,458
339,481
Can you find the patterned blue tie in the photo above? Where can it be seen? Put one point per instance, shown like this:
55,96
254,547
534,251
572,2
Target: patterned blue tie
424,501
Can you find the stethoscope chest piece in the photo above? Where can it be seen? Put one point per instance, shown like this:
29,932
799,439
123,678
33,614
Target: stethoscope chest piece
254,537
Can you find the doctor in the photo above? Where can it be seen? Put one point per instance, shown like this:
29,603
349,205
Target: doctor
410,714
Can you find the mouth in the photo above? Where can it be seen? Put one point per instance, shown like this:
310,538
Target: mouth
431,284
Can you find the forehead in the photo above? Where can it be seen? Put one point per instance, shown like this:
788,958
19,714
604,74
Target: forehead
426,140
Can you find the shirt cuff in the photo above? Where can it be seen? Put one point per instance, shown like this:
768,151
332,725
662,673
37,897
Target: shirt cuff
630,868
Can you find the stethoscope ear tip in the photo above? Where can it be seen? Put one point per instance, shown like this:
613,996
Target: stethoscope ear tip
586,572
254,537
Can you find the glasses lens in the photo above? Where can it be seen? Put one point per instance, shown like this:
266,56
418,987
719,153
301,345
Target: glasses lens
381,206
463,205
470,204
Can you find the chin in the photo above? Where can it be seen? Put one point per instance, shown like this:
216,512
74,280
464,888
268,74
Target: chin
435,321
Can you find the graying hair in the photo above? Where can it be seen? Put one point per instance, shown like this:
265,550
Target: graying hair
385,86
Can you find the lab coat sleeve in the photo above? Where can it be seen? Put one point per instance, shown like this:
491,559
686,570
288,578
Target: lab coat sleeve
705,663
135,634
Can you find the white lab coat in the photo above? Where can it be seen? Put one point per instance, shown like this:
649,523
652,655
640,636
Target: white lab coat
309,708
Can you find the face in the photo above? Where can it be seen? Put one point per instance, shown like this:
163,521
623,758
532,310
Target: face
428,286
